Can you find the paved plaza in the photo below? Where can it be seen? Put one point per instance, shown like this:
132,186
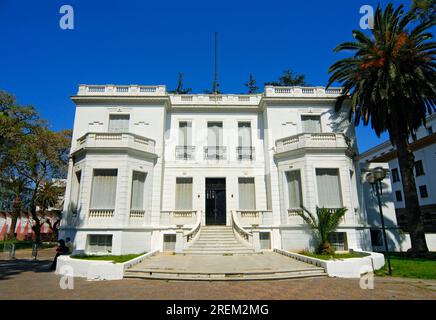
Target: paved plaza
24,279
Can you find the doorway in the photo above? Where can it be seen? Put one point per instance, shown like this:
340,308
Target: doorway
215,201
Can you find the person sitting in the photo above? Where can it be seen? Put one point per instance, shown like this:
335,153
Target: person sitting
70,245
61,249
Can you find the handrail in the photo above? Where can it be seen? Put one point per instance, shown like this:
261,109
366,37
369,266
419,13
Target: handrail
194,231
244,234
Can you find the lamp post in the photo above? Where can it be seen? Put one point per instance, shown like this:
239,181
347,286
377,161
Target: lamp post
374,178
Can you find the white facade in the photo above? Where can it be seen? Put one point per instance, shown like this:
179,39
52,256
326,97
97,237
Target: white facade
236,150
424,150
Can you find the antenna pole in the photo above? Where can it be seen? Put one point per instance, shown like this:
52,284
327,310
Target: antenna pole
215,81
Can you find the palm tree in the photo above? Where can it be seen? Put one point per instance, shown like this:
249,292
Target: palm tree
389,83
325,222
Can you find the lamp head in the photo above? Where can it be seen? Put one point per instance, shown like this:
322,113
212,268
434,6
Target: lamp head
379,173
370,178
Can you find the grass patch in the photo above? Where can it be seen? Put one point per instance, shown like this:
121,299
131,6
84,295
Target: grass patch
20,245
406,267
114,259
347,255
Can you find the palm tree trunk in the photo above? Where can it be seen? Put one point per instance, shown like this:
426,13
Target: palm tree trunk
406,161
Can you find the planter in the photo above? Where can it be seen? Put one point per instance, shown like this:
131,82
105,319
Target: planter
343,268
96,269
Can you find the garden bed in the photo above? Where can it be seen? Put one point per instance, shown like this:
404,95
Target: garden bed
114,259
20,245
336,256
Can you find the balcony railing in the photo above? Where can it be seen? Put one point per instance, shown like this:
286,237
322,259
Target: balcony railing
319,92
185,152
113,90
101,213
313,140
178,217
108,140
256,217
245,153
215,153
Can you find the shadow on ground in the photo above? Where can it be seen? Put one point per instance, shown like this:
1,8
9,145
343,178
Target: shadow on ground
11,268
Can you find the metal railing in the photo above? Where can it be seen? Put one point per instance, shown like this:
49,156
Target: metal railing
185,152
215,153
245,153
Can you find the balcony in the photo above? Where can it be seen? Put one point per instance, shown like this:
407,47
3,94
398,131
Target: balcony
247,218
115,141
215,153
319,141
178,217
114,90
185,153
245,153
303,92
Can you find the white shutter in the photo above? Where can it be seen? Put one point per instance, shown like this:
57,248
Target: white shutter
119,123
247,194
104,187
311,124
329,188
184,194
137,198
294,189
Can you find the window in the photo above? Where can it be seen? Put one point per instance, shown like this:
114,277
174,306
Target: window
183,193
214,134
185,133
104,187
329,188
399,196
99,243
311,124
137,198
294,189
244,150
395,175
75,191
423,191
169,241
247,194
376,238
265,240
419,168
339,241
215,150
119,123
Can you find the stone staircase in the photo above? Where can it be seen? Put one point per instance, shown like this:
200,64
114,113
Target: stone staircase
218,240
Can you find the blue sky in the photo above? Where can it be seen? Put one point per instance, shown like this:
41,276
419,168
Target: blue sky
149,42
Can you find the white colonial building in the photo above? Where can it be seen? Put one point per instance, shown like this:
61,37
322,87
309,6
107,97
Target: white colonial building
214,173
423,146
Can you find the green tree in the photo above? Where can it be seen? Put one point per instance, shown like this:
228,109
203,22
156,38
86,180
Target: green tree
251,85
390,84
323,223
289,79
180,89
425,9
48,196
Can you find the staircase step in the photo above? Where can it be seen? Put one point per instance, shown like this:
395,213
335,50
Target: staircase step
216,276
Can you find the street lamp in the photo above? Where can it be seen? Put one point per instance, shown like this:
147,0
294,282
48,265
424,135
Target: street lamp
374,178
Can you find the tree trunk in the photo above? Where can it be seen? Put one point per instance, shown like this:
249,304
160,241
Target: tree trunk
14,218
37,227
406,161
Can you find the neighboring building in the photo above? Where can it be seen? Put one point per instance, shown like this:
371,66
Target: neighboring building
151,170
23,229
424,150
